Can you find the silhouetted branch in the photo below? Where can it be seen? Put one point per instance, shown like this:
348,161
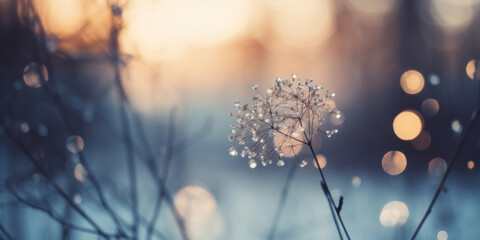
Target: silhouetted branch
340,205
59,106
165,171
459,148
326,190
58,219
132,170
4,231
40,169
457,152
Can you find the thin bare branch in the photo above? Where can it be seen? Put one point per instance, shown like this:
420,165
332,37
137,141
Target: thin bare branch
165,171
57,218
44,56
132,169
4,231
326,189
457,152
441,186
40,169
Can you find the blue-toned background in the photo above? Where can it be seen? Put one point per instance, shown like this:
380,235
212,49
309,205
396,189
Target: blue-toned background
184,63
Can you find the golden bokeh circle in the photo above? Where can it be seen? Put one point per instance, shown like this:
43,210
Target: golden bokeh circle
412,82
194,200
285,140
470,69
322,160
394,162
407,125
470,164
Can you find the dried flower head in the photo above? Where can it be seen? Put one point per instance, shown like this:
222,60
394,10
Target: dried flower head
280,122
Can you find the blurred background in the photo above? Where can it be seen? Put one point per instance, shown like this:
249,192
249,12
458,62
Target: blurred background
94,91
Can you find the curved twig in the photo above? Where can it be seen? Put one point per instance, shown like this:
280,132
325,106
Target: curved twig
447,172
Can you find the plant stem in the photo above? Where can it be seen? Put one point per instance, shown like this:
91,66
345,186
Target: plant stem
49,179
335,212
332,211
449,169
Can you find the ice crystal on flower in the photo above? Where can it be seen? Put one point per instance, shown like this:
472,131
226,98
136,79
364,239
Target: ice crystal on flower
277,124
303,163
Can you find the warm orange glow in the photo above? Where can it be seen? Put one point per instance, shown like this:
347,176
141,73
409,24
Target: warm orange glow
286,145
322,160
160,30
167,37
289,148
31,74
62,18
193,198
79,172
407,125
393,214
69,18
412,82
470,164
304,24
437,167
422,142
199,210
430,107
394,162
470,69
453,15
372,8
332,104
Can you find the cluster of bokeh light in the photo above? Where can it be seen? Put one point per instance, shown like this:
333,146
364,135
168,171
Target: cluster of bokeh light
408,125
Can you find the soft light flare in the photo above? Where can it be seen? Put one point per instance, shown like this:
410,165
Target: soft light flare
394,162
407,125
159,30
393,214
470,69
412,82
322,160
